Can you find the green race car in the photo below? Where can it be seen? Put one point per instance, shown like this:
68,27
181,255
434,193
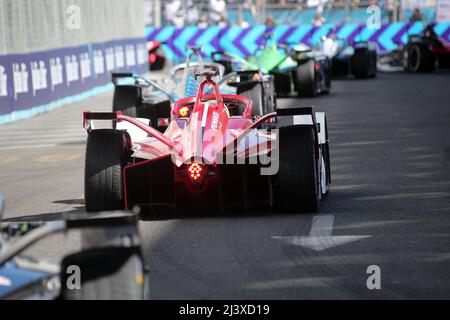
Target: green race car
296,69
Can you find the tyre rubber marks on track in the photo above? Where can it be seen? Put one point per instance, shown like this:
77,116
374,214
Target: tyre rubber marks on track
320,237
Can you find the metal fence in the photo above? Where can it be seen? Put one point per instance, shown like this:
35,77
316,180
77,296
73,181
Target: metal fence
35,25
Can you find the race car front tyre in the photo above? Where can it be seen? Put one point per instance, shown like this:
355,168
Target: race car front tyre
106,274
306,79
362,64
298,187
106,154
420,59
254,92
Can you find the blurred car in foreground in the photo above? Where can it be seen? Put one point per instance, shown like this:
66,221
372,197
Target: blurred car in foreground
110,263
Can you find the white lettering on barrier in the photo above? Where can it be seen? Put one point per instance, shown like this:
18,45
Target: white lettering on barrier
141,54
85,63
20,77
131,56
72,71
3,82
38,76
99,62
110,60
56,72
120,57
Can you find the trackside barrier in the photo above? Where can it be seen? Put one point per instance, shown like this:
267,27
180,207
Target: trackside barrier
244,41
37,82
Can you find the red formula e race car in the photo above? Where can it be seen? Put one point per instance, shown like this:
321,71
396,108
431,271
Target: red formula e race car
214,155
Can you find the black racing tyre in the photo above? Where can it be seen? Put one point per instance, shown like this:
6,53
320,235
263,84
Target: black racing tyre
106,274
159,64
127,99
298,186
306,79
420,59
374,57
106,154
255,94
362,64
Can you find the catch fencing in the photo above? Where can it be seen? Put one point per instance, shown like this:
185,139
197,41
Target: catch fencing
53,52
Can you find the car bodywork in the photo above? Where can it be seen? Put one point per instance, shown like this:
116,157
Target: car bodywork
285,63
25,278
426,51
213,154
139,97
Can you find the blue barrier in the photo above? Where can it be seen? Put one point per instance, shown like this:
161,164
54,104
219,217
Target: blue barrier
244,41
37,82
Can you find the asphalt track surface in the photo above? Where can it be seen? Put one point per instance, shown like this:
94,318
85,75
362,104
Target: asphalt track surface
390,148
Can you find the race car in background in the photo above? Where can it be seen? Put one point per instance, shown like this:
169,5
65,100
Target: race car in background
358,59
156,57
136,96
426,51
111,261
214,155
294,68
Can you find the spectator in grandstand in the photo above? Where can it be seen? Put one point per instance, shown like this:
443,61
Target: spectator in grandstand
204,20
417,16
242,23
192,14
218,12
318,20
390,9
270,21
247,4
174,13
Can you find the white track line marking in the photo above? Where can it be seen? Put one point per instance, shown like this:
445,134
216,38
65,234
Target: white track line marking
320,238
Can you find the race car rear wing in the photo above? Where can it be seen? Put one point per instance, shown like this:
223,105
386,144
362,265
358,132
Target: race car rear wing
90,117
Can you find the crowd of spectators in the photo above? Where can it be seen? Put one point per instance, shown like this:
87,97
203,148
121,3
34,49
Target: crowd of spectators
214,12
180,13
204,13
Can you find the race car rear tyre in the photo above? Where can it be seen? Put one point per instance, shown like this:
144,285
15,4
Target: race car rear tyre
255,94
306,79
362,64
420,59
106,154
105,274
298,186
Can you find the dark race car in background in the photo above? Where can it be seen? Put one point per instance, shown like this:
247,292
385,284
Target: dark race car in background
423,52
156,57
358,59
426,52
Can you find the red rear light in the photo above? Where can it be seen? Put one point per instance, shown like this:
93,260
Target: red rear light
195,171
316,67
